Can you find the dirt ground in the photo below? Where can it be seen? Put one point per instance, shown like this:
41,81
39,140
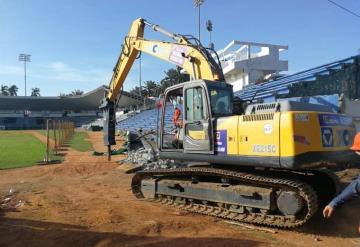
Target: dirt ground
87,201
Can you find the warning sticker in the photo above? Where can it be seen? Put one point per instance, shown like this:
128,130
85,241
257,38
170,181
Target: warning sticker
327,137
176,54
221,142
334,120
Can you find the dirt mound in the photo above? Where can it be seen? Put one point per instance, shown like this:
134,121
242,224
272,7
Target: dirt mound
84,168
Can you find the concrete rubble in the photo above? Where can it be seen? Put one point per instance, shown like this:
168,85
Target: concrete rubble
146,154
9,201
150,160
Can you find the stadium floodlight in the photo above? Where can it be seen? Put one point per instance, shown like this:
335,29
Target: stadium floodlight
197,4
209,27
24,58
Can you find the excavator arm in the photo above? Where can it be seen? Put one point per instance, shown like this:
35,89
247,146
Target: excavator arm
193,58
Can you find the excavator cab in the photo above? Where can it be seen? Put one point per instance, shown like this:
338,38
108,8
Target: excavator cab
203,101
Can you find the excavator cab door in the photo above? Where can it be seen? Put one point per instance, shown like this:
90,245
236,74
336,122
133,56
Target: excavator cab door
198,129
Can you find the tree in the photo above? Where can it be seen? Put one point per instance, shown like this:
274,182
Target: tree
4,90
173,77
76,92
13,89
152,89
136,90
73,93
35,92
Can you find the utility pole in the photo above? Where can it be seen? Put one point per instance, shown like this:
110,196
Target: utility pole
24,58
197,4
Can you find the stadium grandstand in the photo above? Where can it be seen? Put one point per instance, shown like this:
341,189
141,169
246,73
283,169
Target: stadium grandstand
147,120
27,112
336,84
339,77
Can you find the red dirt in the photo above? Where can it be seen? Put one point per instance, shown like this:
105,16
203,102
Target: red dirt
87,201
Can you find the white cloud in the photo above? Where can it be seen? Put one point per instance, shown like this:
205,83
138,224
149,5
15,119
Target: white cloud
60,71
58,66
63,76
11,70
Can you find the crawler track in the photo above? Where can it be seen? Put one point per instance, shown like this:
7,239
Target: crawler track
305,191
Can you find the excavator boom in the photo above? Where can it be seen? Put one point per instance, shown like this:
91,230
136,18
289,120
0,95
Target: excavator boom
193,58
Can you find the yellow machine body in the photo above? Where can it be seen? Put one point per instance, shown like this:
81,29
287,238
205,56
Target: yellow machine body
284,134
284,137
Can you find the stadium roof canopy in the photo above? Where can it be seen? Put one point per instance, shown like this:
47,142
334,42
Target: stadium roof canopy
86,102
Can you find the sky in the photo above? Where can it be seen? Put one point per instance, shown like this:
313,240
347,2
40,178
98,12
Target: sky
75,44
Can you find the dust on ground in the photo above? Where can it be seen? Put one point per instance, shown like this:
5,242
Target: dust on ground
87,201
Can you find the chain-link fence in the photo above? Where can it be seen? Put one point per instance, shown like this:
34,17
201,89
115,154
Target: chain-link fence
58,133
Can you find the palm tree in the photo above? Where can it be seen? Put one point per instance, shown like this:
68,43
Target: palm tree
173,77
136,90
35,92
76,92
13,89
151,88
4,90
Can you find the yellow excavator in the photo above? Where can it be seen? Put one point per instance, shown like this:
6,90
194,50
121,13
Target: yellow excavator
265,163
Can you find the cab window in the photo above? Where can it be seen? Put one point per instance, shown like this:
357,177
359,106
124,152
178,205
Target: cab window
220,99
194,104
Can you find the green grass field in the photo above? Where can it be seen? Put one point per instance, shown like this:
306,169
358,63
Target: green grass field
79,142
51,133
19,149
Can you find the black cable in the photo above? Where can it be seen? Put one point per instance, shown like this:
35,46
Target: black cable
218,61
343,8
195,42
205,52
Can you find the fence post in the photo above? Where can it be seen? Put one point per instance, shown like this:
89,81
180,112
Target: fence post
55,139
60,134
62,131
67,131
47,141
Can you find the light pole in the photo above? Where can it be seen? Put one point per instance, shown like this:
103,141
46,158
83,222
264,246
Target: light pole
197,4
209,27
24,58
